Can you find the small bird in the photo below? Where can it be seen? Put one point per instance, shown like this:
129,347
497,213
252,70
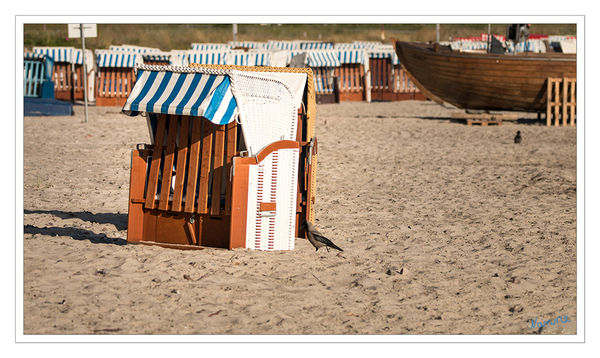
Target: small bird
518,137
316,238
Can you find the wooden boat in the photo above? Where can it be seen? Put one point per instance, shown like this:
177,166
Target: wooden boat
506,82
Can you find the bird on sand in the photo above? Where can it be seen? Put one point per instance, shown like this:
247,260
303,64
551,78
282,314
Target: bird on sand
316,238
518,137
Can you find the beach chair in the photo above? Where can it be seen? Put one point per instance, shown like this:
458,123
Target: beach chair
62,75
352,84
116,76
324,64
381,62
404,87
67,72
232,159
389,79
37,71
78,72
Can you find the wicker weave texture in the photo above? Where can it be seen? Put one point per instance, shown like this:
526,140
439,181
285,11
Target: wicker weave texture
274,180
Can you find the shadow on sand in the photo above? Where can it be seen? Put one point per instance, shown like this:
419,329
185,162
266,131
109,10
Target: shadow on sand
75,233
527,121
118,220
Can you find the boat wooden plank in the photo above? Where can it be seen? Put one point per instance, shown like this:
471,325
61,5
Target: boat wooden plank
482,81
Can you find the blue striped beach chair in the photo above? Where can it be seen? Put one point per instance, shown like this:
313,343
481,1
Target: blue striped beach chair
352,79
116,76
231,161
324,64
68,72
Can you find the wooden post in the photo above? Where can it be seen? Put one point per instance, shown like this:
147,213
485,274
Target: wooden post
556,102
548,100
565,86
573,103
135,216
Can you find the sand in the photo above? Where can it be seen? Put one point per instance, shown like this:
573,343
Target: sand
446,229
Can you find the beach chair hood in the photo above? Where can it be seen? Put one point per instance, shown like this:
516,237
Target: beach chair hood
264,104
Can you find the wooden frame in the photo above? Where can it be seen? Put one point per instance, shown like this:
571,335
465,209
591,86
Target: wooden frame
351,82
63,81
192,155
68,81
404,87
561,101
329,92
34,77
114,85
391,82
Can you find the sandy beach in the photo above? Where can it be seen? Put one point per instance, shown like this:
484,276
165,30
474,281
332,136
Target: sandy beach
446,229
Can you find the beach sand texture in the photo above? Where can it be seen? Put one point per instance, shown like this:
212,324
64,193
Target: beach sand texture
446,229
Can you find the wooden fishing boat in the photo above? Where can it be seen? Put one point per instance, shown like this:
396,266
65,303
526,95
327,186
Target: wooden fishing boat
505,82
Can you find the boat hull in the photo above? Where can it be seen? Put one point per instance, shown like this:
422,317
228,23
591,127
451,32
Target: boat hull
485,81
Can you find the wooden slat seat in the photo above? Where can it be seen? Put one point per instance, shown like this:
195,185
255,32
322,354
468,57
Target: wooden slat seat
113,85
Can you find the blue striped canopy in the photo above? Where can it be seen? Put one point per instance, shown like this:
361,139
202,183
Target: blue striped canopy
283,45
247,44
135,49
77,57
353,56
241,58
209,47
159,89
316,45
58,54
124,59
366,44
262,59
322,58
384,52
34,56
179,57
208,58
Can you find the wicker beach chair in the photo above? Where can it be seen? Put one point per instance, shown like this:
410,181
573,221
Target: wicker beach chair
232,159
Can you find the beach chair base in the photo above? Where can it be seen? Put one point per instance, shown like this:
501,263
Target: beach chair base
110,101
46,107
352,96
191,229
327,98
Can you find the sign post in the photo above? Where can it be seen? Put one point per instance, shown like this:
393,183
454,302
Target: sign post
83,31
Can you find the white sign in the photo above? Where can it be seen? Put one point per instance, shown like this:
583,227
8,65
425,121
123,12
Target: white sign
89,30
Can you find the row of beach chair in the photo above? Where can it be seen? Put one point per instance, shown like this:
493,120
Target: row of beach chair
360,71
